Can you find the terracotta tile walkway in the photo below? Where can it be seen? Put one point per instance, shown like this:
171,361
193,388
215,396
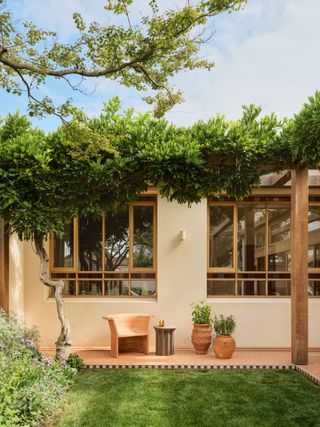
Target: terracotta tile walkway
188,359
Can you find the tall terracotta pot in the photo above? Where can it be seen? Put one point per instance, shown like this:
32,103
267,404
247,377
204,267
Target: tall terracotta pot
224,346
201,338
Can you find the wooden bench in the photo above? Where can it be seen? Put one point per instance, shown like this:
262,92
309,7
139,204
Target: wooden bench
129,332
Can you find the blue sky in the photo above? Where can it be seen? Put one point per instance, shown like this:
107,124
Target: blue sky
267,54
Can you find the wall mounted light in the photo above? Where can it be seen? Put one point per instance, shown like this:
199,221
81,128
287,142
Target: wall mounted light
183,235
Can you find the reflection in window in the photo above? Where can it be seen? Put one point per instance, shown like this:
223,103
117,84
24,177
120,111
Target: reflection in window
117,241
221,287
115,253
314,288
314,237
251,238
63,248
143,287
279,251
221,236
70,288
90,244
143,236
251,287
87,287
279,288
117,287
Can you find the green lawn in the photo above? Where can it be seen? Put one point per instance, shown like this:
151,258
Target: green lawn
184,398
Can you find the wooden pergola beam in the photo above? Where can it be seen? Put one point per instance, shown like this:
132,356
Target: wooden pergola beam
299,266
216,161
280,179
4,267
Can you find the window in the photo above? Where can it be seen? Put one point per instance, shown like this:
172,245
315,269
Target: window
109,256
250,249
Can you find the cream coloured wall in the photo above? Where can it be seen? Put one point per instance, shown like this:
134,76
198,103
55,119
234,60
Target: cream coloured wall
182,272
16,276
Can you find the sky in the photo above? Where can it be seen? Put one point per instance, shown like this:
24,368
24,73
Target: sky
267,54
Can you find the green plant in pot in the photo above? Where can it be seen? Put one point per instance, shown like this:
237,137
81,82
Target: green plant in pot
202,330
224,344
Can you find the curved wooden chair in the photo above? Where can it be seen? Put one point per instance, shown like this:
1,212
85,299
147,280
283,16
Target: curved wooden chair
129,332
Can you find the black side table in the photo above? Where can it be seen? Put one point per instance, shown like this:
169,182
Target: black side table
164,340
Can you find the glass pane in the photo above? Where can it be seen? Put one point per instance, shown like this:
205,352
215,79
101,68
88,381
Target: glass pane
63,248
279,288
251,287
221,287
221,236
116,287
251,238
69,287
90,288
314,236
314,289
143,288
143,236
117,241
90,244
279,255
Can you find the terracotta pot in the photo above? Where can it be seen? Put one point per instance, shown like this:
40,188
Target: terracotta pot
201,338
224,346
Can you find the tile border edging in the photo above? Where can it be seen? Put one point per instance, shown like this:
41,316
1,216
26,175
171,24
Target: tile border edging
306,374
191,366
297,368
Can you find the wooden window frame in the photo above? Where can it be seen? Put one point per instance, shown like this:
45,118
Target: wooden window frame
105,273
267,273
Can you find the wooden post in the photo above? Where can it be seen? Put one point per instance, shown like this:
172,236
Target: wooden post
299,266
4,267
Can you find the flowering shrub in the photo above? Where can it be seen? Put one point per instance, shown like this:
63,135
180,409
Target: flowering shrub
31,385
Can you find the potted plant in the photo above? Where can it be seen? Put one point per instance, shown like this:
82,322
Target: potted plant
202,330
224,344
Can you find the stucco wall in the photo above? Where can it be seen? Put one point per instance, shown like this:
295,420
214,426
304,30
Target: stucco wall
16,276
181,280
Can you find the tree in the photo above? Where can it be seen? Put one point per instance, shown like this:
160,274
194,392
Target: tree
144,55
116,157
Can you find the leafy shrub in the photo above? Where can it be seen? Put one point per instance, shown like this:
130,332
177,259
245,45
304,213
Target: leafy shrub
224,325
75,362
31,385
201,313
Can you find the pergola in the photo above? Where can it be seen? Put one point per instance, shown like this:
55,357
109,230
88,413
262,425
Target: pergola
299,261
299,247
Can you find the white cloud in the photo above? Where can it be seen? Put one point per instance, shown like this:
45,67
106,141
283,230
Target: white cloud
267,54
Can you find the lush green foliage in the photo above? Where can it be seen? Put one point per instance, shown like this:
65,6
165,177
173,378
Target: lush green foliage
117,156
75,361
31,386
186,398
143,52
224,325
303,134
201,313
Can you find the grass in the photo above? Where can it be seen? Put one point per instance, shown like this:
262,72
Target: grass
182,398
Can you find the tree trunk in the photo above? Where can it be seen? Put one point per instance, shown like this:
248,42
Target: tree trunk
63,343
